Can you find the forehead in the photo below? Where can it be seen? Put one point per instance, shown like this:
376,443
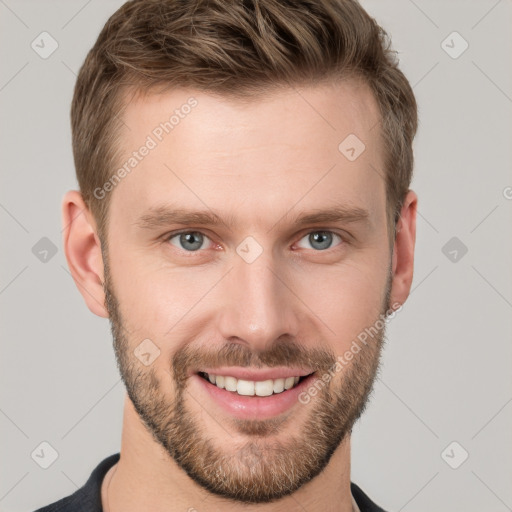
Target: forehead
305,146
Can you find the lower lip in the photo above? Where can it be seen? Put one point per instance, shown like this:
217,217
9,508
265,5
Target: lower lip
255,407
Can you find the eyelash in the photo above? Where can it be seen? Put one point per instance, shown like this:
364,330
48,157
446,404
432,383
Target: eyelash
343,240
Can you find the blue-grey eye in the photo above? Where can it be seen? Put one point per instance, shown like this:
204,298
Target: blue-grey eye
321,240
189,241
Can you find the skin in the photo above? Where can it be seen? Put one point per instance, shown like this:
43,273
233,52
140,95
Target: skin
255,161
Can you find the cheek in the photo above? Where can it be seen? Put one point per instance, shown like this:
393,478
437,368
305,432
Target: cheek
137,289
347,299
154,296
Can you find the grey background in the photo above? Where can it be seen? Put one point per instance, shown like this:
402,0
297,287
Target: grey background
446,372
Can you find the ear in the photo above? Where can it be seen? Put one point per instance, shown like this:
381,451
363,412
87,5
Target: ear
403,250
83,251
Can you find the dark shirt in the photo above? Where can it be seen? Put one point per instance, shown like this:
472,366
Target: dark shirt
88,497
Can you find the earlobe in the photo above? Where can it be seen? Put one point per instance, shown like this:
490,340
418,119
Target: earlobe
83,251
403,253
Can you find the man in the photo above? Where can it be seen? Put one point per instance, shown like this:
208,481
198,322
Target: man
274,137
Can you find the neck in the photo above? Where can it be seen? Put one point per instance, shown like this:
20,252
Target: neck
147,478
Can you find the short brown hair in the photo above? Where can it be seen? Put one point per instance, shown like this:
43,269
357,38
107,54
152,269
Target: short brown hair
236,48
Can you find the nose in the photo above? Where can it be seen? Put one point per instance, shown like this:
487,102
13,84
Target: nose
260,305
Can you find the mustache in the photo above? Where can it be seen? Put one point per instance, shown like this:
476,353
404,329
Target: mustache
285,352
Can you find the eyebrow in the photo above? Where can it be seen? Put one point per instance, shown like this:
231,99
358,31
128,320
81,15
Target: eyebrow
165,215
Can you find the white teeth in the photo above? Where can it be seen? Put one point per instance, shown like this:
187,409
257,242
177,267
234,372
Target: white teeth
230,383
288,383
245,387
278,385
251,388
264,388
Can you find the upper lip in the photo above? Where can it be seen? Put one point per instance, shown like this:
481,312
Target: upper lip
257,375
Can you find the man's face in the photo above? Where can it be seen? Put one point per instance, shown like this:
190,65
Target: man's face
257,291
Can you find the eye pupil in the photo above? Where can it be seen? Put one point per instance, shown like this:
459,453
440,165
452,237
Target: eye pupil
322,237
186,238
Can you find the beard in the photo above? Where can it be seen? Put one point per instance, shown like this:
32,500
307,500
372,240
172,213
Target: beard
258,466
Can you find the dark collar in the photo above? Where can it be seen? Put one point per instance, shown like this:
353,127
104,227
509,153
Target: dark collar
88,497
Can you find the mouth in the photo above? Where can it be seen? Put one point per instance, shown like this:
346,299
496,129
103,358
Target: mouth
256,396
261,388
